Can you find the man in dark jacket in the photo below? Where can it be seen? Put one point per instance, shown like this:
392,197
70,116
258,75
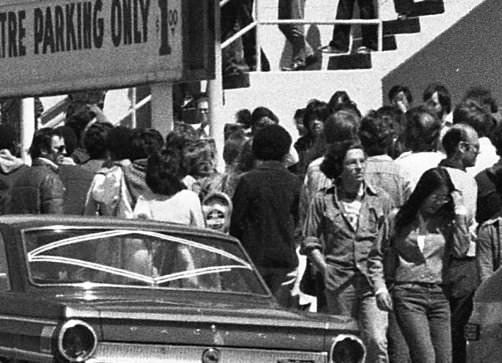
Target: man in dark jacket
266,212
75,178
39,189
10,165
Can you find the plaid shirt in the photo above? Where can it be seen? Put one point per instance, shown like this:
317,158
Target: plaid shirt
383,172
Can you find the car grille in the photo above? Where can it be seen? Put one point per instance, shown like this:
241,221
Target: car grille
137,353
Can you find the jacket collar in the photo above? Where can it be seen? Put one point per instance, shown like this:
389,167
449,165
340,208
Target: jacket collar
367,188
455,164
45,162
270,164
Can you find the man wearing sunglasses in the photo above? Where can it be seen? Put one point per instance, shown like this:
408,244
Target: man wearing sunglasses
39,189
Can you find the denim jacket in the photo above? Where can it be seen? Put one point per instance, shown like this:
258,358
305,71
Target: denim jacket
488,254
349,251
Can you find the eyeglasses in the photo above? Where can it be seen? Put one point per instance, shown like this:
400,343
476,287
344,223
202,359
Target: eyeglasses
474,147
440,199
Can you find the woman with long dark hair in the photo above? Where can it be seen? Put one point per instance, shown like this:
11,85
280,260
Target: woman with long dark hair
429,230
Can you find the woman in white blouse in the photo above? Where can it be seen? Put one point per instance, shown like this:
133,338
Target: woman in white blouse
169,201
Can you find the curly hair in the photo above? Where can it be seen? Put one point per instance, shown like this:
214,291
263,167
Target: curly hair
94,139
163,172
332,165
376,133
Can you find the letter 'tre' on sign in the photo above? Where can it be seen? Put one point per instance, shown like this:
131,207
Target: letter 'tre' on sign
54,46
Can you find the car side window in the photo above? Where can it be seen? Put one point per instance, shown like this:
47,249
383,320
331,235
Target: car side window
4,269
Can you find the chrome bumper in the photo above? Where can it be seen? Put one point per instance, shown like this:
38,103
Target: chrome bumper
138,353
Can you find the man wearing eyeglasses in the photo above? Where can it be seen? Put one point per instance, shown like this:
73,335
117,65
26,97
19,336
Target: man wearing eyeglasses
461,144
39,189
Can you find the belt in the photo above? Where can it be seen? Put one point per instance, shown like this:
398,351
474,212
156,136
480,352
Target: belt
428,285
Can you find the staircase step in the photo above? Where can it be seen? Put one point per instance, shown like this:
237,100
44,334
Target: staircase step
401,26
426,7
389,42
350,61
236,80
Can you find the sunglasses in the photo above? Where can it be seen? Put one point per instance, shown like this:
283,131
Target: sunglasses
61,149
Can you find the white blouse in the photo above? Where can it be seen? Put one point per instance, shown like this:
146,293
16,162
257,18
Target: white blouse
183,207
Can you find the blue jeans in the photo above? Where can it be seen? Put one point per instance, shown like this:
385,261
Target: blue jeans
294,33
423,313
341,33
356,299
397,347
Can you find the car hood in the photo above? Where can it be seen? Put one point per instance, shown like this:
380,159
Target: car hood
218,324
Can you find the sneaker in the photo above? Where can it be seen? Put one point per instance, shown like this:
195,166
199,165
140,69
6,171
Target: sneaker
330,49
296,66
363,50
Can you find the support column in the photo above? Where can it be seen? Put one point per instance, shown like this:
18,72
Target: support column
215,94
162,107
27,127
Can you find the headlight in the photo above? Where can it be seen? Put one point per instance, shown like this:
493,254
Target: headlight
347,349
77,341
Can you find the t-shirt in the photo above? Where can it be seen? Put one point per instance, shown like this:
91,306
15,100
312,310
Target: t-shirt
352,209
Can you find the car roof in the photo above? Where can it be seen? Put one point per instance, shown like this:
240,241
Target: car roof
25,221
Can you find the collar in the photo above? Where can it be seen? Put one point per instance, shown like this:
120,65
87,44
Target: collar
45,162
383,157
270,164
449,163
367,188
122,162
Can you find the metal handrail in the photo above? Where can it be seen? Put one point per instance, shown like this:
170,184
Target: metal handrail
257,23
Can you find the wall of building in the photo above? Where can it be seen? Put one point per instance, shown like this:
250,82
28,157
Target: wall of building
467,54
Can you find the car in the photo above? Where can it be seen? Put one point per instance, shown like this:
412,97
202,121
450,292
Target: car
483,332
89,289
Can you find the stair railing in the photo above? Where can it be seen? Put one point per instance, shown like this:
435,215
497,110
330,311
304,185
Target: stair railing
258,23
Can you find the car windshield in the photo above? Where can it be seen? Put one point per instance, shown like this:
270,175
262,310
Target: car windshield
138,258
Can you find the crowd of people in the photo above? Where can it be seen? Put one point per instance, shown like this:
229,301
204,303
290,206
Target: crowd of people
385,206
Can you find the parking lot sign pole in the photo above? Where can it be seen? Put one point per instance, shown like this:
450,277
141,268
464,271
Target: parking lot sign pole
162,107
215,93
27,126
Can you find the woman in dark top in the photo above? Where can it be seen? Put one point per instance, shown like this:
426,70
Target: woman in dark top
429,229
